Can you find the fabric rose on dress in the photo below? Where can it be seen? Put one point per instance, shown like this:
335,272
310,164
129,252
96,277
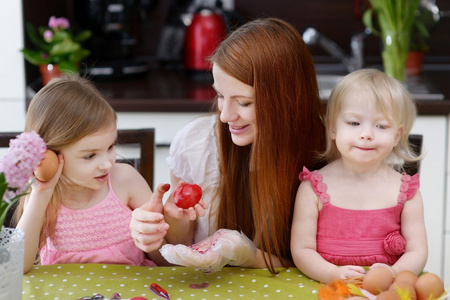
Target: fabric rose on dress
394,243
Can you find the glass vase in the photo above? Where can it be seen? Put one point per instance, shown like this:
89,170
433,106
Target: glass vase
11,263
395,53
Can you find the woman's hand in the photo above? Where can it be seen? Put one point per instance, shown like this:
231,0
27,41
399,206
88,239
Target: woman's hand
147,224
192,213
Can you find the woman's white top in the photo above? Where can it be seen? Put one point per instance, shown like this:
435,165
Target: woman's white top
194,158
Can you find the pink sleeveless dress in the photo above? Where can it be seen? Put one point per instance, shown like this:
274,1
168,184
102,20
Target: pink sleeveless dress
100,234
360,237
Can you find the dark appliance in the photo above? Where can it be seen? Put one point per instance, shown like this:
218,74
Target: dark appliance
116,26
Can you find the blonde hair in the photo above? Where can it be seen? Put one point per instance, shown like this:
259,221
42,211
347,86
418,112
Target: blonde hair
391,98
63,112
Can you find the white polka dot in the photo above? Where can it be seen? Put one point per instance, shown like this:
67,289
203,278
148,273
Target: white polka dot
277,291
87,278
266,285
253,280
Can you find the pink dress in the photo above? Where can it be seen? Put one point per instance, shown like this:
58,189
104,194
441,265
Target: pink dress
100,234
360,237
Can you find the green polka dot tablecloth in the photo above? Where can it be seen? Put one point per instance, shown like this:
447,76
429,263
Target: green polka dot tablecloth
74,281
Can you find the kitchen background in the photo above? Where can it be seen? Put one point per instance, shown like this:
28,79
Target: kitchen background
150,31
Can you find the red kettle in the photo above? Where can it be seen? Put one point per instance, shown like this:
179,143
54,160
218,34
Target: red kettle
203,36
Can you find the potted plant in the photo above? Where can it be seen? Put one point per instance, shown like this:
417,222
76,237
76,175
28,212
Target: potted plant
424,21
59,50
16,168
395,19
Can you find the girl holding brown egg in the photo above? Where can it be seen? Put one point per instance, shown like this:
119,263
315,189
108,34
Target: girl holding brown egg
79,207
359,210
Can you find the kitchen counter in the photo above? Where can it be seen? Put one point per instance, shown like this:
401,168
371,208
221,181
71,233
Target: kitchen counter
174,91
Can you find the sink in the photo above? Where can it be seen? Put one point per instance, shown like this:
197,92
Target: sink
326,84
419,86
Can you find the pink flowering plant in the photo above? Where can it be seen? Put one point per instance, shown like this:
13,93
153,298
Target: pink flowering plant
17,167
57,45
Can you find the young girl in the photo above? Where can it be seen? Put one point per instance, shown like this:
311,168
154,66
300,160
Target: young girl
246,157
82,214
357,210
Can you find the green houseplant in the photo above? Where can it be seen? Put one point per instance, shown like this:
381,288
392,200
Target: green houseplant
395,19
56,44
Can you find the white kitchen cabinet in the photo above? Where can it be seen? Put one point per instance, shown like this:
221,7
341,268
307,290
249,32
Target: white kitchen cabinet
433,182
12,72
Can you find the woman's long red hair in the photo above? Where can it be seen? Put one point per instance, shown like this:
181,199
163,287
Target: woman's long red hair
258,182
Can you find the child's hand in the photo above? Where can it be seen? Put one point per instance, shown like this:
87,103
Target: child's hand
192,213
39,185
349,271
147,225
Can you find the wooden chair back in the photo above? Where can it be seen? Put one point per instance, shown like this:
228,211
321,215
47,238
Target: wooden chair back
416,141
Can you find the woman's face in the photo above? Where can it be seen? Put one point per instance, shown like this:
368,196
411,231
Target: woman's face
236,101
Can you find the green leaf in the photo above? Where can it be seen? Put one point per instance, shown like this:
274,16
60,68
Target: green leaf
5,211
82,36
35,38
367,21
35,57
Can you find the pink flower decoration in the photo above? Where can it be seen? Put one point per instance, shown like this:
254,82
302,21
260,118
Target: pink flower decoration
321,187
394,243
325,198
404,187
48,36
21,159
58,23
402,197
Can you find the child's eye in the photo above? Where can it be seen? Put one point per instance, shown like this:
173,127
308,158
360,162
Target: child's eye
383,126
112,146
89,156
353,123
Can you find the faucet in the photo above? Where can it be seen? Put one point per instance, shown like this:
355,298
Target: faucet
354,62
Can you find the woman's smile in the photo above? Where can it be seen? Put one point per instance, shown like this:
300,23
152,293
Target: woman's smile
237,129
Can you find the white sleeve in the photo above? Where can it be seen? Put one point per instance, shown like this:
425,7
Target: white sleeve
193,152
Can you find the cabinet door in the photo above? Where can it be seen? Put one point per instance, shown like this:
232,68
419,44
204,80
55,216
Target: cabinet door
432,185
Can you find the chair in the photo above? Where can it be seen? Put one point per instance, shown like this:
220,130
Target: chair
146,139
415,141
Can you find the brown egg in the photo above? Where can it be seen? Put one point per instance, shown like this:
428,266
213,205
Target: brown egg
427,285
377,280
48,166
406,276
388,295
403,287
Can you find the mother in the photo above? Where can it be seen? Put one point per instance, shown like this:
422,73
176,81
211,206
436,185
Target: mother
247,164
